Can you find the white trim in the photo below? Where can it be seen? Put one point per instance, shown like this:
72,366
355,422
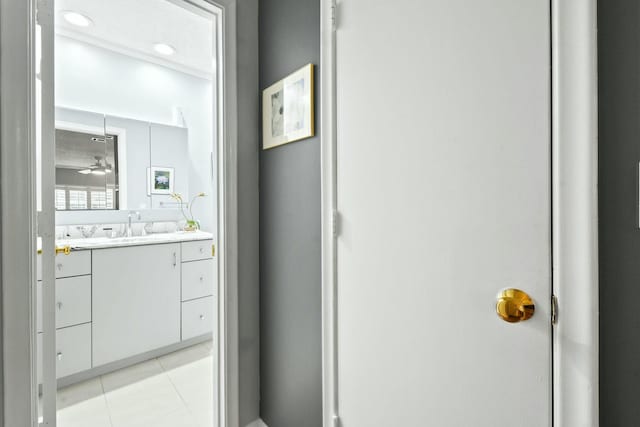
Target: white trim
575,259
575,216
228,343
226,376
19,406
17,209
328,190
46,217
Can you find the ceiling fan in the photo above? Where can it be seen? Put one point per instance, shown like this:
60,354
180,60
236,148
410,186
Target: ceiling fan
97,168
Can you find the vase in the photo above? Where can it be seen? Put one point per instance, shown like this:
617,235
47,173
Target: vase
191,226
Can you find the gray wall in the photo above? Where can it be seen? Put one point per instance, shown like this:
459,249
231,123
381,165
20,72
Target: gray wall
619,154
248,269
290,290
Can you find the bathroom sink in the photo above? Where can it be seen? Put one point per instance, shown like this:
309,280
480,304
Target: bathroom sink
106,242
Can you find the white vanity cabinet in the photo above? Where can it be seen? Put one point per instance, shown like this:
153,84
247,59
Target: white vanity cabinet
117,303
73,313
199,272
136,300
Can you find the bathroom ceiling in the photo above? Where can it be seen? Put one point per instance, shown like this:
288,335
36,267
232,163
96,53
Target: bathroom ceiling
134,27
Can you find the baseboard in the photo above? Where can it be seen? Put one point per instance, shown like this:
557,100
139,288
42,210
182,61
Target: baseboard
257,423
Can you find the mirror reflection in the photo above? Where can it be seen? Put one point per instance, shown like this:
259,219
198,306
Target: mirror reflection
113,163
86,171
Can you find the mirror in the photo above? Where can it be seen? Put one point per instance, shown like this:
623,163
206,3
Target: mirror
86,171
112,163
169,170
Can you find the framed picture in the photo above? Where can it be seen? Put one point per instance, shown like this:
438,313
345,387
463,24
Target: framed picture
287,109
160,180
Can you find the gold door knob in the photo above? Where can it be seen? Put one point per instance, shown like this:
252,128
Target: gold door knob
514,306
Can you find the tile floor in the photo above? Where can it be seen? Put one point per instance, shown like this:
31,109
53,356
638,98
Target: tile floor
175,390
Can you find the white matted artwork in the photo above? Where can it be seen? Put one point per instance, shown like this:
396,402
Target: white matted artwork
160,180
287,109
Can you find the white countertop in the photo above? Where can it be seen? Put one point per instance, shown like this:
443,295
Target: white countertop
150,239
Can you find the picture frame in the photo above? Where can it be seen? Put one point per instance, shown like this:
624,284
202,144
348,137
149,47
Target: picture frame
288,109
160,180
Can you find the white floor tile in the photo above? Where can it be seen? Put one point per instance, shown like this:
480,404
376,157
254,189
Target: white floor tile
179,418
175,390
92,412
194,382
131,375
142,401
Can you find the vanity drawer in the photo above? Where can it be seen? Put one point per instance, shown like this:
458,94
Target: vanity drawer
77,263
73,350
73,301
197,279
197,317
200,249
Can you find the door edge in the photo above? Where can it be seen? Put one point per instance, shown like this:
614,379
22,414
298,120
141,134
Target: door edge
575,212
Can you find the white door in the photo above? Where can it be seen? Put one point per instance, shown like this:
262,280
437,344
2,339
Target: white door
443,192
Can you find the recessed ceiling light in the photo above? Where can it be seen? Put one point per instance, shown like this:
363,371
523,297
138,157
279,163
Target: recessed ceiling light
77,19
164,49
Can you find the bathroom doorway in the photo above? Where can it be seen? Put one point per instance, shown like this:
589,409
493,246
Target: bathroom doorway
130,136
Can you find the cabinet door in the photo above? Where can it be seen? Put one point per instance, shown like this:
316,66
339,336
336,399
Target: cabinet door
197,317
197,279
136,300
200,249
73,350
77,263
73,301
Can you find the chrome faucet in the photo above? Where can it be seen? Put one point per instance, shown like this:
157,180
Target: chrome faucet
131,214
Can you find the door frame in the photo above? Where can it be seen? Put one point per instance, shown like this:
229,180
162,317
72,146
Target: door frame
18,244
574,212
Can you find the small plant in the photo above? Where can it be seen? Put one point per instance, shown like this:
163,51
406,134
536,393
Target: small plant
192,224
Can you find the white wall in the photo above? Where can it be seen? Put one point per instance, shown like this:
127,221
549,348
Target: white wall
95,79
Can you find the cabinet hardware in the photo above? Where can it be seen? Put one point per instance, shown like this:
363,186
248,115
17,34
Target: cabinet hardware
63,250
59,306
175,259
59,356
59,250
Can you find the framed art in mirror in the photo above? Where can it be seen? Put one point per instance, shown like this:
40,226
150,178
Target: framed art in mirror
161,180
